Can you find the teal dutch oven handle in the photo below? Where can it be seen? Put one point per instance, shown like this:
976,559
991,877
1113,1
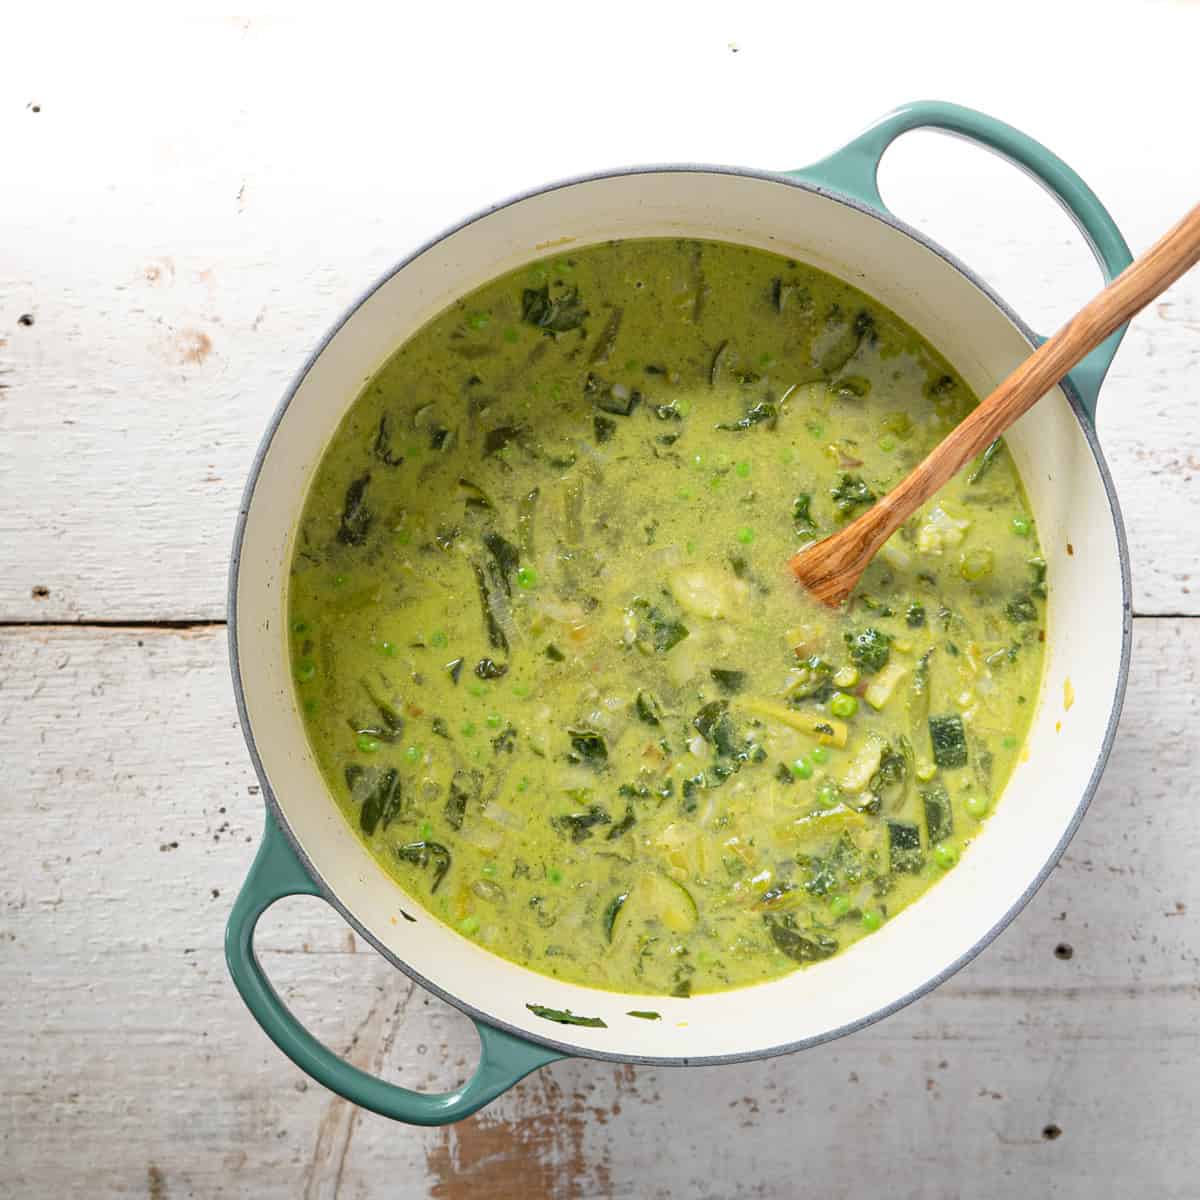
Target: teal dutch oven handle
853,171
278,872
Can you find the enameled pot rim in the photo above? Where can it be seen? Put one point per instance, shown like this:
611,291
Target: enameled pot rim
569,1048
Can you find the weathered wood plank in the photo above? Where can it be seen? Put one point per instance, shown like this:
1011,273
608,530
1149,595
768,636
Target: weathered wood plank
132,1066
181,257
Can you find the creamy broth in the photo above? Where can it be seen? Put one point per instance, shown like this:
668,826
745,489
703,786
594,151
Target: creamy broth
552,664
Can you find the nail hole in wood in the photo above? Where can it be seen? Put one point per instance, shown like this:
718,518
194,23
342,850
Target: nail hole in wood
25,319
1063,951
40,592
1051,1132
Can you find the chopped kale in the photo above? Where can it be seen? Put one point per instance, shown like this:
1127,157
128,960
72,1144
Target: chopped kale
728,681
497,638
505,557
838,870
588,747
715,726
505,741
661,629
764,412
356,516
949,741
578,826
813,945
606,342
477,498
382,449
487,668
564,1016
648,708
914,615
784,775
802,515
552,315
904,845
624,825
851,492
612,398
421,854
464,787
554,654
380,794
869,649
888,782
496,439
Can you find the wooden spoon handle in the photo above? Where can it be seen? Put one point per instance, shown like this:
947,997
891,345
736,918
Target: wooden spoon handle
1173,254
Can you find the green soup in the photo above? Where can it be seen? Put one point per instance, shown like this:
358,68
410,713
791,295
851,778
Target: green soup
551,660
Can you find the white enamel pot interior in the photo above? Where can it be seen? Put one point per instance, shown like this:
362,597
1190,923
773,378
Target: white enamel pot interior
1087,635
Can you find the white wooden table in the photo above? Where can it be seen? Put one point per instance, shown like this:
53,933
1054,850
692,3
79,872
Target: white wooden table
184,209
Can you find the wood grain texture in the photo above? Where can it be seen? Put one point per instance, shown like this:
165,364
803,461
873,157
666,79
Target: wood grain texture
129,1056
182,248
831,569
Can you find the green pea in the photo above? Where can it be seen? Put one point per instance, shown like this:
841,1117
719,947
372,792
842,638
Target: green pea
1009,742
945,856
819,754
745,535
413,754
523,785
554,875
439,639
715,483
368,744
478,320
476,689
684,494
787,456
839,906
305,670
827,795
871,920
468,728
403,537
311,705
802,768
494,720
426,831
469,925
521,691
299,627
511,335
977,805
526,577
690,547
339,579
388,648
887,443
1022,526
488,870
842,705
743,470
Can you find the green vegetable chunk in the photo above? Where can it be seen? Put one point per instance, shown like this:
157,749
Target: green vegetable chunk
949,741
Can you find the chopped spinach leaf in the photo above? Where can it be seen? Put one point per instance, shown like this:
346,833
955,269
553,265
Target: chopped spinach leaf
624,825
464,787
914,615
606,342
496,439
603,428
728,681
869,649
382,449
588,747
421,854
808,947
380,794
356,516
552,315
505,557
802,515
614,398
454,669
1021,608
564,1016
851,492
648,708
487,668
644,1014
578,826
554,654
764,412
985,461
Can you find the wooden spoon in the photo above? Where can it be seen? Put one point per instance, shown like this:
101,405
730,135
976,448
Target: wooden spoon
831,568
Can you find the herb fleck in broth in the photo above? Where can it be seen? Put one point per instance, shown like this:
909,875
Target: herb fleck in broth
551,661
